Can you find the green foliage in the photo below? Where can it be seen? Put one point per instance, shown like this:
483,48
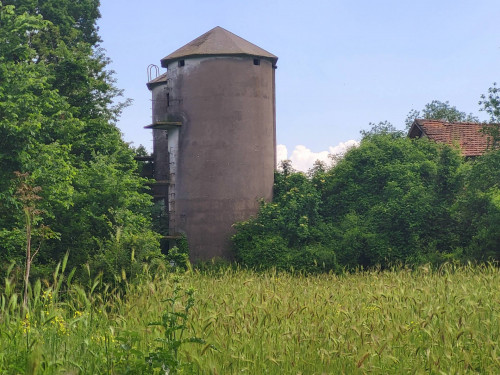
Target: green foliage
491,105
256,249
383,127
72,21
288,233
437,110
178,256
124,255
174,321
57,123
388,201
392,200
478,211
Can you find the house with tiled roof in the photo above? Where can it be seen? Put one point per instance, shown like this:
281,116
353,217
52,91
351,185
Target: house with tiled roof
468,136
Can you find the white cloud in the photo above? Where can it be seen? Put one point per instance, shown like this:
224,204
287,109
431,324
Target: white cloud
281,153
303,158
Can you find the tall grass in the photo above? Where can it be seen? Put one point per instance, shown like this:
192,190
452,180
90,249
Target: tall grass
426,321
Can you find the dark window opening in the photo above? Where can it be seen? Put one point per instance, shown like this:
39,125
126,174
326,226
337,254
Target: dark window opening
180,63
256,61
168,99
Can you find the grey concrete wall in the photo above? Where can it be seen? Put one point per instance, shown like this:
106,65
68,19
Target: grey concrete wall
160,137
160,143
226,155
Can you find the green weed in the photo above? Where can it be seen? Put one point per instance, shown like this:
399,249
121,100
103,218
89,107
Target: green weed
174,322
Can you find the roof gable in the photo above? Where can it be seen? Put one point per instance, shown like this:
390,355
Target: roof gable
468,135
218,41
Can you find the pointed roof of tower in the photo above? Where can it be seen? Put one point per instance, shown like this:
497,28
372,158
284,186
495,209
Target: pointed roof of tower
217,42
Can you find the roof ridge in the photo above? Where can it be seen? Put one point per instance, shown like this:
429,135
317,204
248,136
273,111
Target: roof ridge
452,122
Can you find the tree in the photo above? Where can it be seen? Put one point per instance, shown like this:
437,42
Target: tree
437,110
477,210
74,20
29,110
388,201
57,123
491,105
28,197
383,127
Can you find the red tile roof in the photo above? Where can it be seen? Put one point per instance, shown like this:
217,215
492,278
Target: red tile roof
467,135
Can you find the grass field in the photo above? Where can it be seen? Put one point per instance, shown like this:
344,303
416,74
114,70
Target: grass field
445,321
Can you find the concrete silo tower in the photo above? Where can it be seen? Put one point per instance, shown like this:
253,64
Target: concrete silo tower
214,134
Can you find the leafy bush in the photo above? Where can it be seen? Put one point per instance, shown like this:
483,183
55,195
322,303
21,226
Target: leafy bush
392,200
262,251
477,209
288,232
124,256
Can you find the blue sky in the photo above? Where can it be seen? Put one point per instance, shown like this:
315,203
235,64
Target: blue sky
342,64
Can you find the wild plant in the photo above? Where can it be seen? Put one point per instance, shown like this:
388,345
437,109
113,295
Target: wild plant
27,194
174,322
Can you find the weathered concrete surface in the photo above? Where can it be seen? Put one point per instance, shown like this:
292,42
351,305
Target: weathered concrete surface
160,141
226,156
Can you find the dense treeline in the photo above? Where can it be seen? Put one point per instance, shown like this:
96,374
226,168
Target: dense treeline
77,188
68,182
392,200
